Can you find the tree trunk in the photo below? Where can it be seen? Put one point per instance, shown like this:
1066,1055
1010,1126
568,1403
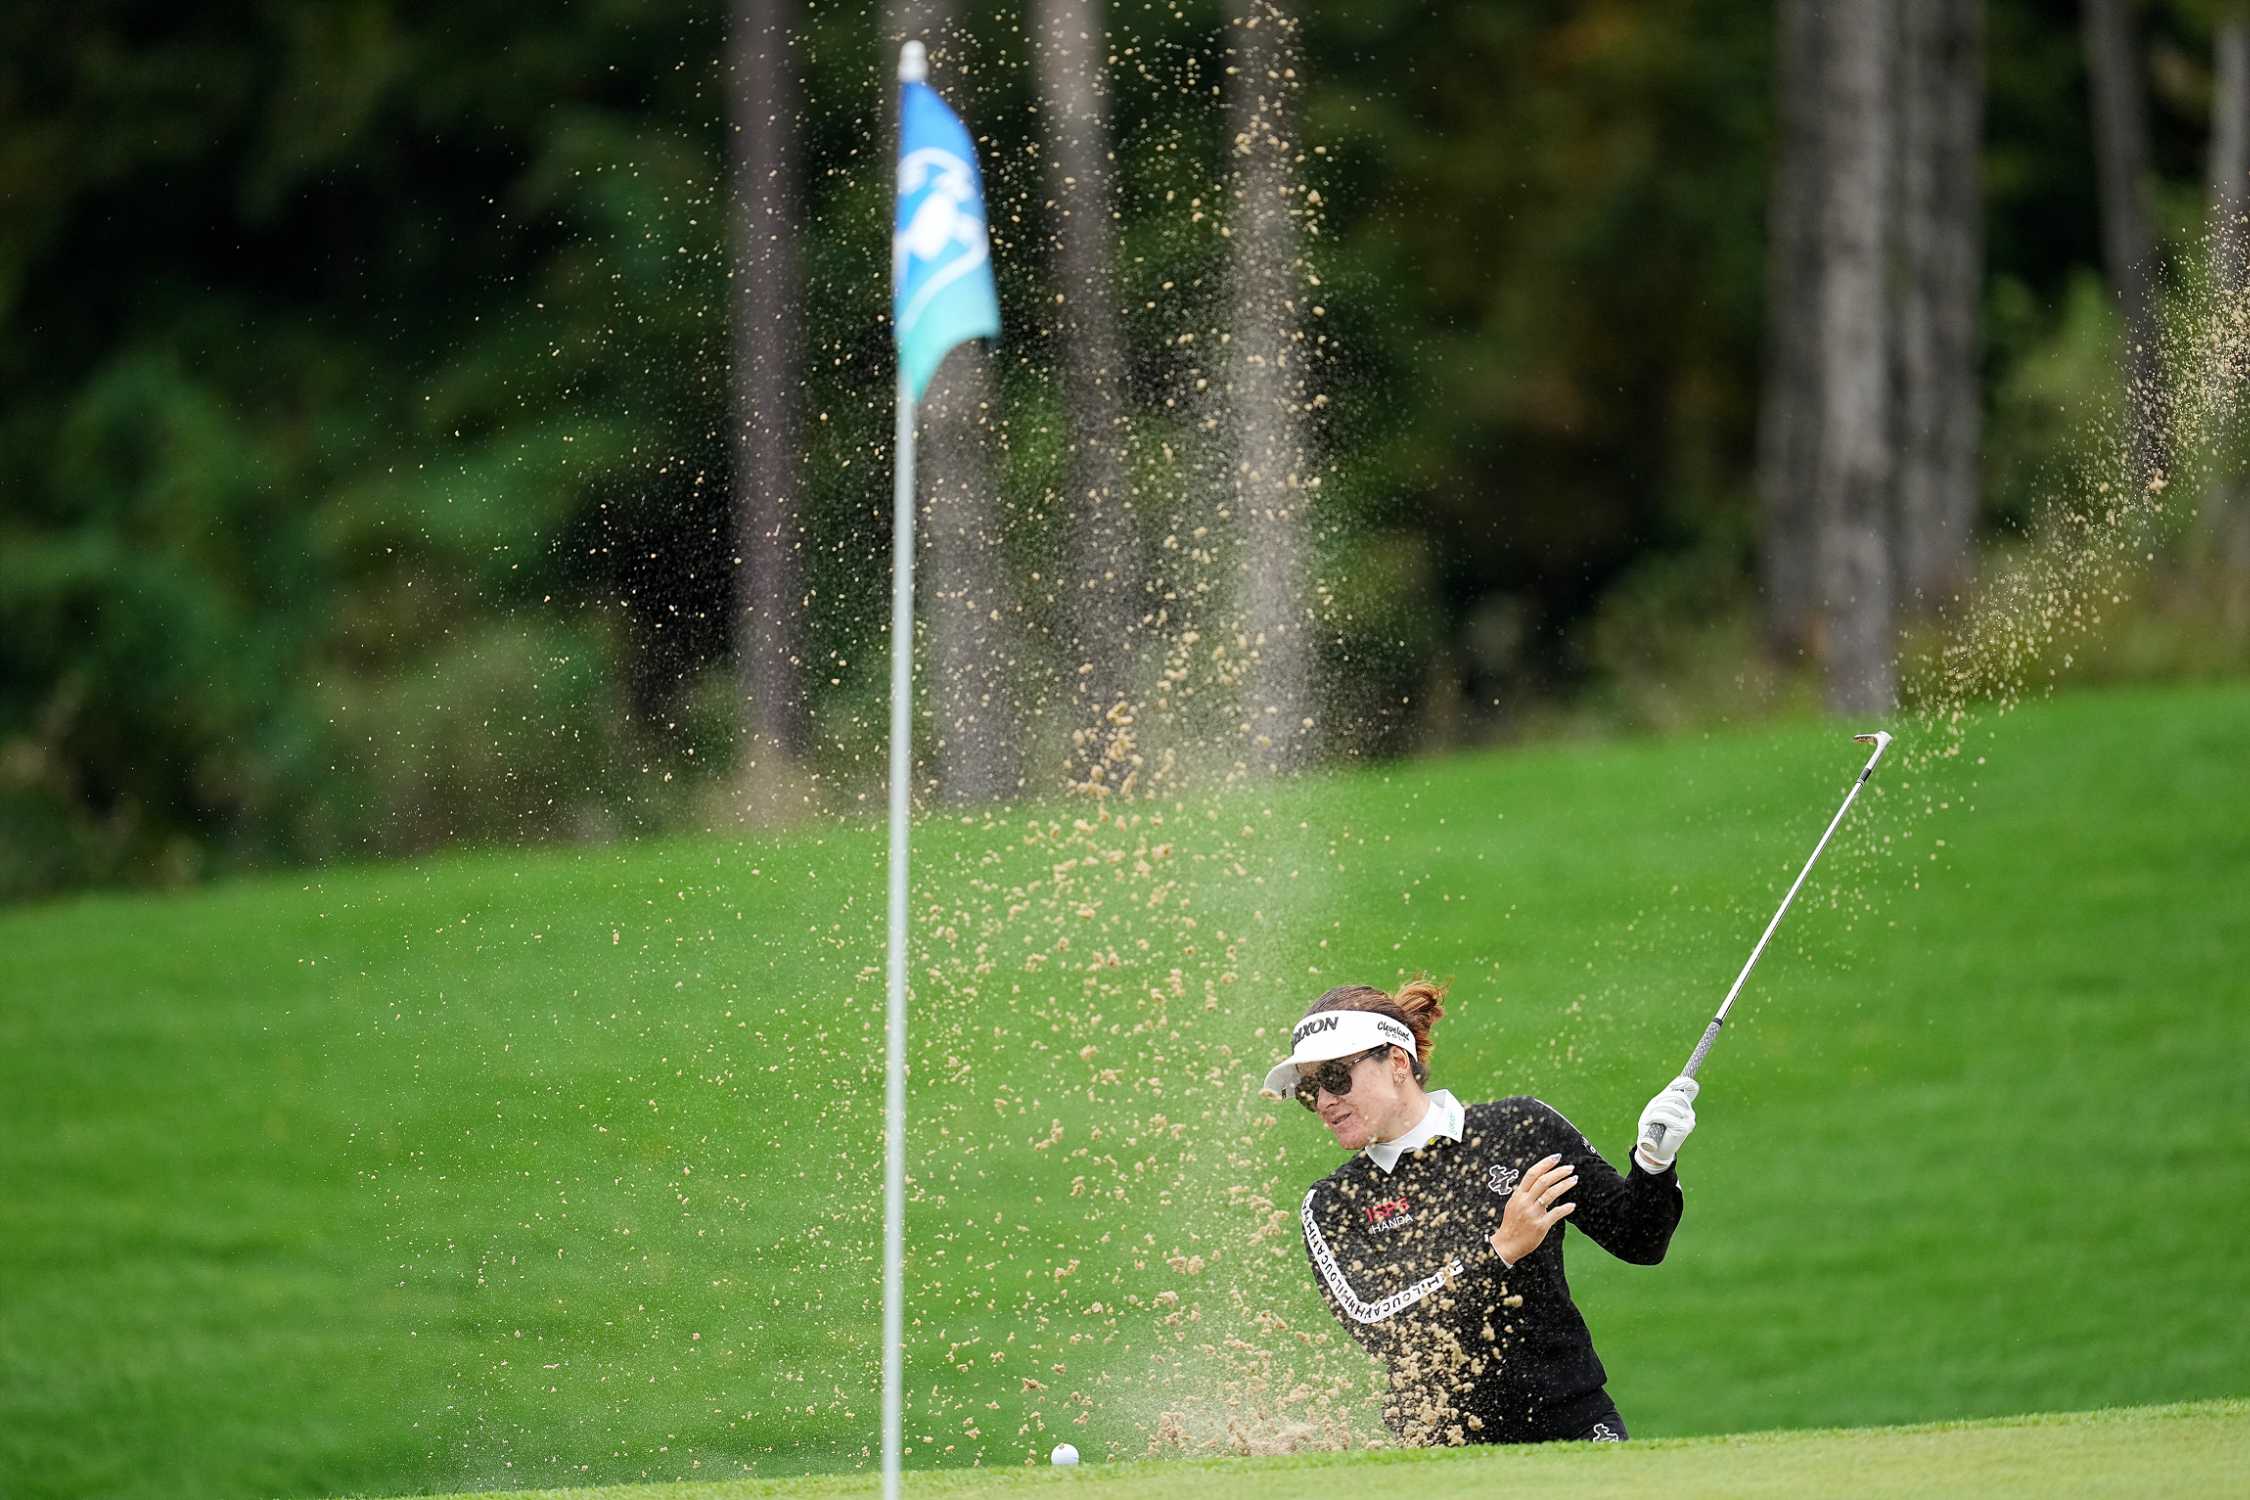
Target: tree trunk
2230,149
769,613
974,659
2121,152
1270,451
1856,476
1940,251
2227,514
1790,405
1102,606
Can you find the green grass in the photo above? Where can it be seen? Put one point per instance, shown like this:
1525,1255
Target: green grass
2149,1453
563,1168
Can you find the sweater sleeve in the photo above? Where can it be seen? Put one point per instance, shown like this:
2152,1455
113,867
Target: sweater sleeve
1631,1215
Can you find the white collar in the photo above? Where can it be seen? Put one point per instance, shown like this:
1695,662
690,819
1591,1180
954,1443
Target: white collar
1443,1117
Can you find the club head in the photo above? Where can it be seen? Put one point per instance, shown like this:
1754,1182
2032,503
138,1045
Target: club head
1878,739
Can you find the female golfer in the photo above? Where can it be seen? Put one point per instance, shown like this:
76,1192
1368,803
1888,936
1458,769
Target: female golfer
1432,1244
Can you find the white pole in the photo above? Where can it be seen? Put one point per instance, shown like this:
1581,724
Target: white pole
894,1090
913,67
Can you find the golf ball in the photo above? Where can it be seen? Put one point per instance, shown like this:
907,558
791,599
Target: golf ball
1063,1454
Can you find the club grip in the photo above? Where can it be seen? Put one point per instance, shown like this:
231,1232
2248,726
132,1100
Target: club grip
1695,1061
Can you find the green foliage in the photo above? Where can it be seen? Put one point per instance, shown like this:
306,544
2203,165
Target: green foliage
148,638
489,738
346,341
1678,644
1550,229
371,380
2057,410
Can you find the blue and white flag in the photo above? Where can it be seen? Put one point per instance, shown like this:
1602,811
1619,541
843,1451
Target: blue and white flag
941,259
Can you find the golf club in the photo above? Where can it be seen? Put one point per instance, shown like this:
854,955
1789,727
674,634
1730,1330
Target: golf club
1881,741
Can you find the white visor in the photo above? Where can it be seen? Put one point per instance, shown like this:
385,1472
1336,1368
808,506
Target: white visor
1329,1034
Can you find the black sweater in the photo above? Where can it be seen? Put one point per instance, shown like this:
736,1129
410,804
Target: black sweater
1478,1353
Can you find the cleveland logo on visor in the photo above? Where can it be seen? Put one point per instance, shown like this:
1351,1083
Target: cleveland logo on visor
1383,1028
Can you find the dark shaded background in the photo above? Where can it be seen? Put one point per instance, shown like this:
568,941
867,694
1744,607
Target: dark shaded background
364,461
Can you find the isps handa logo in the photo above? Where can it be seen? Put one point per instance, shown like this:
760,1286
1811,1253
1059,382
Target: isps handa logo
1504,1180
1389,1214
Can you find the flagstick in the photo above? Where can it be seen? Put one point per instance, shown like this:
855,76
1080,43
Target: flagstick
894,1094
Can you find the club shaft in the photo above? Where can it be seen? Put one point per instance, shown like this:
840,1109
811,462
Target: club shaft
1711,1032
1781,911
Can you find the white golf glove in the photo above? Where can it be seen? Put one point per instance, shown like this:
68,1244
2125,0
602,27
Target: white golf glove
1674,1109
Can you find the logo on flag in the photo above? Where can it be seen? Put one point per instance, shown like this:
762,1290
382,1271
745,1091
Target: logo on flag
941,260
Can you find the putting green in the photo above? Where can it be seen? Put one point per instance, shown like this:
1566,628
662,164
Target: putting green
2197,1448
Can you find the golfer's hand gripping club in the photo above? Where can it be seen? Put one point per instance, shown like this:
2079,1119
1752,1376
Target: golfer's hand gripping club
1654,1132
1666,1121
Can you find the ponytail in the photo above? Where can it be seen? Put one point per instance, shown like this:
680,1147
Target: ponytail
1418,999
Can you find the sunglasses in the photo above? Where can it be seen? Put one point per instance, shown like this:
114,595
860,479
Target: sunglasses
1334,1075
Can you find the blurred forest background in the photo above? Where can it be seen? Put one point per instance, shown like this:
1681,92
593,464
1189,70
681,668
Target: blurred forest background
470,422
